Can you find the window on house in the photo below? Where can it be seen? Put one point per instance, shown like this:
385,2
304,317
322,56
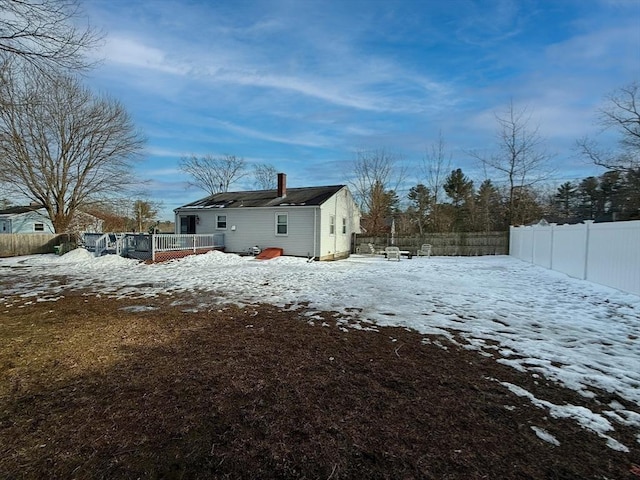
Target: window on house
38,227
221,222
344,225
332,225
282,223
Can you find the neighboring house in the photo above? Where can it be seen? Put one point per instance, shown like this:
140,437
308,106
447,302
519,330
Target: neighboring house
85,222
34,219
314,222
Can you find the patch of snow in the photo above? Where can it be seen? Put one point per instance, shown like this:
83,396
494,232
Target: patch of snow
545,436
585,417
139,308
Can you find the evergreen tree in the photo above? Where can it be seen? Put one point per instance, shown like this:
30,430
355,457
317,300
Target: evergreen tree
489,209
589,199
631,195
565,200
612,190
459,189
420,206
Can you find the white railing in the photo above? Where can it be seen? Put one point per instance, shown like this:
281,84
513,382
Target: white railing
604,253
166,242
99,244
145,246
163,242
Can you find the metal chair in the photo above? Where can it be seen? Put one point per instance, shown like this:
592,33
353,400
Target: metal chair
393,253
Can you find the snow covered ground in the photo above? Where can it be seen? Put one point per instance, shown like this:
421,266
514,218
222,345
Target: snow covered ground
574,332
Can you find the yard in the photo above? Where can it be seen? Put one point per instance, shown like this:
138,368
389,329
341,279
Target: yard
223,367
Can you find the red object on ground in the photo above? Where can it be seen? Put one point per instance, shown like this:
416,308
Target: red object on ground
270,252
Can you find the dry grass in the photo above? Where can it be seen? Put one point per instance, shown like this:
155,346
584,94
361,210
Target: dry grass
92,390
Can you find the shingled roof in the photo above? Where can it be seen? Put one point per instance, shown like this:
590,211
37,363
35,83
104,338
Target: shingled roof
17,210
307,196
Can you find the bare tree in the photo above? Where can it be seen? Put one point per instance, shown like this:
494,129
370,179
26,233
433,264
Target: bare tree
436,165
265,176
521,159
44,34
621,113
377,176
62,146
145,213
213,174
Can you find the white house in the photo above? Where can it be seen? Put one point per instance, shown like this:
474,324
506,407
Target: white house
314,222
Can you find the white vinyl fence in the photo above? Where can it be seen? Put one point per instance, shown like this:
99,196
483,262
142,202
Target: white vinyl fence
604,253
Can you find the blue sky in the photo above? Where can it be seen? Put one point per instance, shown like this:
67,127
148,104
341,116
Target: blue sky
304,85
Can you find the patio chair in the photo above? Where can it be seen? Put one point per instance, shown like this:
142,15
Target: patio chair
425,250
373,249
393,253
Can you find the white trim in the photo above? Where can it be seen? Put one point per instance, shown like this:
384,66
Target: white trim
286,214
225,221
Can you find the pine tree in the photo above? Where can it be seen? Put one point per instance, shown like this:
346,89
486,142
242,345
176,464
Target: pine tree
459,189
420,207
565,200
489,208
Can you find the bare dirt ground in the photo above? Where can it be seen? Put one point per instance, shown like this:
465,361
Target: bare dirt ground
96,388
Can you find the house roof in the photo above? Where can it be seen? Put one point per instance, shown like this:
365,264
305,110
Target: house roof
18,210
307,196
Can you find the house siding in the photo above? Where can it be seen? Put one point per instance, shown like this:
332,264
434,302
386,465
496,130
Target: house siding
338,245
257,226
25,223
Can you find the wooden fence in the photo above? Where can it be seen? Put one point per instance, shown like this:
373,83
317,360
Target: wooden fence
14,244
445,244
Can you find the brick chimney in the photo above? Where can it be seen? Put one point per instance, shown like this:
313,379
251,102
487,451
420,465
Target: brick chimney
282,185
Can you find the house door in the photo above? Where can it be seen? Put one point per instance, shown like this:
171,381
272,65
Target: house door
188,224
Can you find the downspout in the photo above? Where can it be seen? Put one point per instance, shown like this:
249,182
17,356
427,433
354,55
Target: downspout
315,230
335,226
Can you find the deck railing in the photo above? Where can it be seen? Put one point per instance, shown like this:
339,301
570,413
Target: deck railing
145,246
100,243
167,242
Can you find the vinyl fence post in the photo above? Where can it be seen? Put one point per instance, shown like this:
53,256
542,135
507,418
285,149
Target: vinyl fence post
587,224
153,247
551,248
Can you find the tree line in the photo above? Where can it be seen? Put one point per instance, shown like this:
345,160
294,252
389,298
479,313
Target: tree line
612,196
515,190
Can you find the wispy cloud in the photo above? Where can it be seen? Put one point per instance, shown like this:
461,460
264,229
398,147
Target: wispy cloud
306,83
